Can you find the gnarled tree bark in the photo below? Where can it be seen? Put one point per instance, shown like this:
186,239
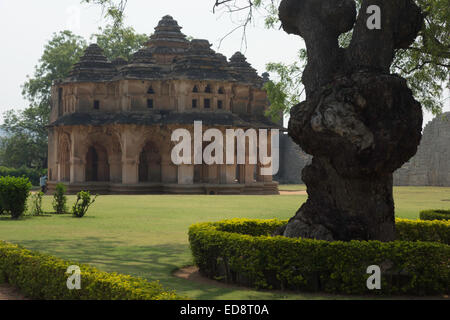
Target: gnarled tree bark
359,122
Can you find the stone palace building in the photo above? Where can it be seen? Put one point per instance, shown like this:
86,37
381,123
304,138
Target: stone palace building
111,122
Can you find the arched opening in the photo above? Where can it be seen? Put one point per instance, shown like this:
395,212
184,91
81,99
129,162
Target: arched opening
195,89
150,163
200,173
221,90
64,161
150,90
97,166
208,89
240,173
60,101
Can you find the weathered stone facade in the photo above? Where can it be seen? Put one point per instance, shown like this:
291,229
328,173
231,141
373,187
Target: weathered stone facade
431,164
429,167
292,161
111,122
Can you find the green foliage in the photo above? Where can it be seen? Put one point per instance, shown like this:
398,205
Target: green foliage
112,9
40,276
243,251
60,199
60,54
36,199
417,230
435,214
119,41
32,174
287,90
26,141
82,204
14,193
426,63
21,150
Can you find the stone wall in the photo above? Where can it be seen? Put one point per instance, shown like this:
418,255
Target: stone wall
292,161
429,167
431,164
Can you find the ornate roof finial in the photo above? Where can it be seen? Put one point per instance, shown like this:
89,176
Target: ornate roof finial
168,35
243,71
93,65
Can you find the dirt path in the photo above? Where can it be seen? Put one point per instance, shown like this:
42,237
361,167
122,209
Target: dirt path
192,274
10,293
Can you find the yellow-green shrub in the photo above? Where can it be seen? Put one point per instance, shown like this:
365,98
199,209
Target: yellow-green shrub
421,230
436,214
41,276
242,251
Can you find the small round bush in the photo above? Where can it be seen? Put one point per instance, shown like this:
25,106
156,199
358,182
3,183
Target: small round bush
36,208
14,193
436,214
60,199
82,204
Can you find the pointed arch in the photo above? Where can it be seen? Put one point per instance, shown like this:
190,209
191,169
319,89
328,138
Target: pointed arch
97,164
150,163
64,157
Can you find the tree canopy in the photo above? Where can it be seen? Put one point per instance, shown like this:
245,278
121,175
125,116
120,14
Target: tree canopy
25,142
425,64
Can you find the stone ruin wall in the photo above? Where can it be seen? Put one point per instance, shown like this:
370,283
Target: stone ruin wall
429,167
292,161
431,164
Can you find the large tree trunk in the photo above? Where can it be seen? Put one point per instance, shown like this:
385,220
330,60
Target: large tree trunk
358,121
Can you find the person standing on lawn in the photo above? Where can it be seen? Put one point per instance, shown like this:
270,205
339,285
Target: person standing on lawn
43,183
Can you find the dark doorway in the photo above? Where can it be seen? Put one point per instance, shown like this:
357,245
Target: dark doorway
97,167
150,164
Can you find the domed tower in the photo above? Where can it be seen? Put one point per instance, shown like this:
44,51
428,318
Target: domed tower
167,42
111,123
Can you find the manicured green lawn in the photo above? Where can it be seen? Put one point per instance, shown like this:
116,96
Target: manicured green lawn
292,187
147,235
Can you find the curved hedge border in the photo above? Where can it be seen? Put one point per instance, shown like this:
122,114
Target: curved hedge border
41,276
242,251
435,215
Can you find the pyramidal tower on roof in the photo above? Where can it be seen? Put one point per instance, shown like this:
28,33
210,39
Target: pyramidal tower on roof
167,41
93,65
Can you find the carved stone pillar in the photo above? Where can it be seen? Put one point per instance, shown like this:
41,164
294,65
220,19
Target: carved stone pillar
186,174
77,170
130,171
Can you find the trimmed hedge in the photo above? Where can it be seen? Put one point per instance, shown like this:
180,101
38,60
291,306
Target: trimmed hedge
435,215
242,251
421,230
41,276
32,174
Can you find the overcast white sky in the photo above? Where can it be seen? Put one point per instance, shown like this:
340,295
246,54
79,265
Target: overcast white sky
27,25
